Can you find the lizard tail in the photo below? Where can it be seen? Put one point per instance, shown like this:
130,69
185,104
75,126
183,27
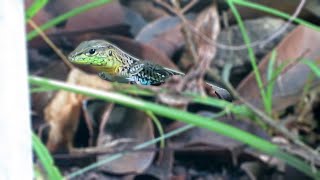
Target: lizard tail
174,72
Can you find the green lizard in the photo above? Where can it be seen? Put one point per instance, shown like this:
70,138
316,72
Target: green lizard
114,64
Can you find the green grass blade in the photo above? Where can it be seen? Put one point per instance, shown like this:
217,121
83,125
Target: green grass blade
35,7
313,66
45,158
239,110
65,16
158,125
272,60
40,89
132,89
176,114
271,83
250,50
275,12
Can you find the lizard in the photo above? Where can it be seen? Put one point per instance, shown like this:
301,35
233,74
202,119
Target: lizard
114,64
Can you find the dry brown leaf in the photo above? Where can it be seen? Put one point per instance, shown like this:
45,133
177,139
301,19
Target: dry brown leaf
56,70
300,43
110,18
203,52
162,169
146,8
135,126
164,34
117,128
62,113
106,15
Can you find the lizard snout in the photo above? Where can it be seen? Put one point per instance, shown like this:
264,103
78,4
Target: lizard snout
71,56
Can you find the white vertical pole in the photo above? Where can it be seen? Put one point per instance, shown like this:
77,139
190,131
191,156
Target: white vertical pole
15,129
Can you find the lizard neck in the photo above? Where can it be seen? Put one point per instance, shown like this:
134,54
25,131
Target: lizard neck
127,58
109,70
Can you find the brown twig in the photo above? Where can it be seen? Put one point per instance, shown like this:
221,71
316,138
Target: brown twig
106,148
51,44
176,10
105,118
262,42
189,6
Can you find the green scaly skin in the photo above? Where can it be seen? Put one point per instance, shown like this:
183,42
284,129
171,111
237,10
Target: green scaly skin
116,65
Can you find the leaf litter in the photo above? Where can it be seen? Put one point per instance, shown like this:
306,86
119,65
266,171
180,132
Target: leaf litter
82,128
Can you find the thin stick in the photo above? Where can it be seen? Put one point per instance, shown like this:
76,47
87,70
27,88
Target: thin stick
176,10
263,42
51,44
189,6
105,118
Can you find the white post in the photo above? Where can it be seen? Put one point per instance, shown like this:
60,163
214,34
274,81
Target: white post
15,129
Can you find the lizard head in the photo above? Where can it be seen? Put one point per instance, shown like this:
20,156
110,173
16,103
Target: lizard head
94,53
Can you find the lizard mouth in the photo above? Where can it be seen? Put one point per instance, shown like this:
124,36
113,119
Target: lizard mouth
74,58
71,57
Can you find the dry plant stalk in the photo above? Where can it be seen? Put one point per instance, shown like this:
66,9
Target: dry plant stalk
51,44
200,50
207,23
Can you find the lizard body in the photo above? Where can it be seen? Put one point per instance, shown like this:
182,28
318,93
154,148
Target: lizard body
116,65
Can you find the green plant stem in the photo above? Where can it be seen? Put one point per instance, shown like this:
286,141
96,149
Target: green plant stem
275,12
250,51
158,125
45,158
183,116
65,16
313,66
35,7
271,83
239,110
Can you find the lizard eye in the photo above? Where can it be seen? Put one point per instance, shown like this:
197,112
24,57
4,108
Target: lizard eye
110,53
92,51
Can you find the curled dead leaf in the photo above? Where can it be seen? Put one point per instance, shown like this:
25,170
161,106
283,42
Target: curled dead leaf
63,111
